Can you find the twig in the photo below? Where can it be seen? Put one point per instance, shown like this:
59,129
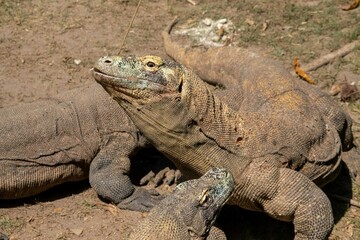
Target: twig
352,202
192,2
128,30
331,56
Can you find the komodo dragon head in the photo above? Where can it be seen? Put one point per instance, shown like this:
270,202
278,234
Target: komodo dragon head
200,200
140,80
148,86
190,211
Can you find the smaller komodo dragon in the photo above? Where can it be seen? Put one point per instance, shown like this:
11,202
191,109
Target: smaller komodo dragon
276,142
79,134
190,211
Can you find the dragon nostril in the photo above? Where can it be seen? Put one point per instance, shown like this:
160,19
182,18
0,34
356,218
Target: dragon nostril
107,61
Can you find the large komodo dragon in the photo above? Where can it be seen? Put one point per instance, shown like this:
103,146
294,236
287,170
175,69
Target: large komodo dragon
190,211
75,135
275,134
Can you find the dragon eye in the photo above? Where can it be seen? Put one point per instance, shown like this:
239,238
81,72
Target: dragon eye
150,64
192,233
204,197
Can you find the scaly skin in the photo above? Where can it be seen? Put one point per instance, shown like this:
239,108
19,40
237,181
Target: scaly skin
248,75
262,143
190,211
75,135
243,74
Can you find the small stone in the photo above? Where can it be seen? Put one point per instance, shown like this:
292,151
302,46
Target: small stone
249,21
17,20
207,21
222,21
77,61
216,38
57,210
265,26
77,231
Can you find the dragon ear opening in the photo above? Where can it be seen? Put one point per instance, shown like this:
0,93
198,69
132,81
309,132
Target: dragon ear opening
180,86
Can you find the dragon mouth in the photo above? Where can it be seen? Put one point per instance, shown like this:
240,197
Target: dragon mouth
104,78
107,81
130,83
96,71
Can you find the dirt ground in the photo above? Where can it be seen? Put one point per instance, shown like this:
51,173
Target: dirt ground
47,47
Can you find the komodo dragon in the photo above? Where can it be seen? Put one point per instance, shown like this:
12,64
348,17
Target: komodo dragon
190,211
75,135
274,144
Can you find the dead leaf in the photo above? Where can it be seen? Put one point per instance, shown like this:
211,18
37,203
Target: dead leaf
249,21
301,73
17,20
335,90
352,6
112,209
348,92
57,210
220,32
265,26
